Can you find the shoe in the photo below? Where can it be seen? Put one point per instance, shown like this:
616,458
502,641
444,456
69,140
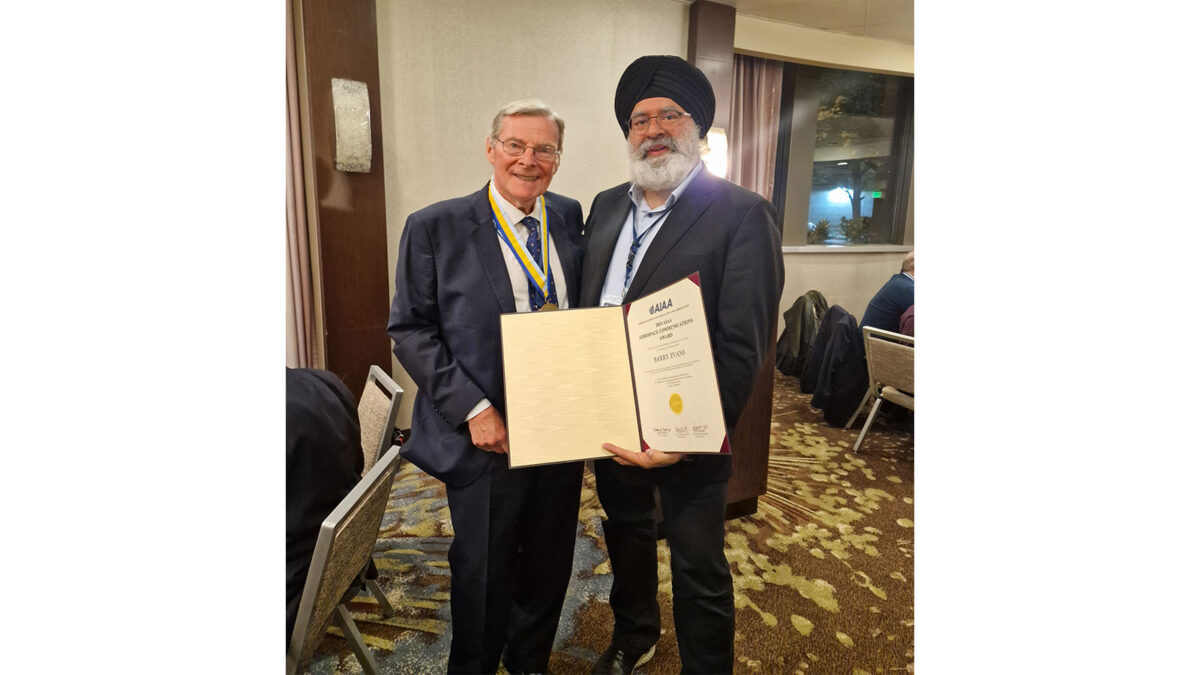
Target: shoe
616,661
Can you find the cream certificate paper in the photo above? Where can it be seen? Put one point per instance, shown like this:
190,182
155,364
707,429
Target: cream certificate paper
676,383
637,376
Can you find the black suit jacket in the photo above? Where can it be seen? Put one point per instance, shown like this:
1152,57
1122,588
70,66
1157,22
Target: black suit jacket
324,463
837,371
730,236
451,287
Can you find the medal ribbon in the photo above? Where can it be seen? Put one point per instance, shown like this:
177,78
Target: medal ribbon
536,275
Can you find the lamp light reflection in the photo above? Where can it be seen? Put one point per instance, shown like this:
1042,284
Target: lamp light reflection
717,157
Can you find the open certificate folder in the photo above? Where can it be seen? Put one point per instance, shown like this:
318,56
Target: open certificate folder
638,376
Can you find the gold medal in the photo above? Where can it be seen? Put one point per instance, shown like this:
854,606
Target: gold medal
549,306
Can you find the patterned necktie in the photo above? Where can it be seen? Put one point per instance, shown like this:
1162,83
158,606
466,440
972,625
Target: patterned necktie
534,245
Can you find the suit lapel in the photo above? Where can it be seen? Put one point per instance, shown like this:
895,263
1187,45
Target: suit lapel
566,254
601,241
692,204
487,245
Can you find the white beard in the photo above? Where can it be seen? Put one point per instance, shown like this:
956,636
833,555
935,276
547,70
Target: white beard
665,173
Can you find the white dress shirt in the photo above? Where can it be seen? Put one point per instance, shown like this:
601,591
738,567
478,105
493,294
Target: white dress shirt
641,216
516,273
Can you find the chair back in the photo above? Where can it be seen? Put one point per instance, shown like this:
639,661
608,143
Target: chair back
890,359
343,548
377,411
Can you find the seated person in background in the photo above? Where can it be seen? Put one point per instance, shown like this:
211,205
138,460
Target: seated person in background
906,322
890,302
324,463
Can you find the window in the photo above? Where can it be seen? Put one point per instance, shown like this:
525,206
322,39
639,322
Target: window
844,167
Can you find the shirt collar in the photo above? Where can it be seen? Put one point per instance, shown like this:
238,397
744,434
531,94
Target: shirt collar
909,276
638,195
511,213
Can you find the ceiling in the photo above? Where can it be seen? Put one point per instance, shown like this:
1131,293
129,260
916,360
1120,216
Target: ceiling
879,19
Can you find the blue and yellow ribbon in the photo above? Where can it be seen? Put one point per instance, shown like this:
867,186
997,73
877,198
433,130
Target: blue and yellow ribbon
536,275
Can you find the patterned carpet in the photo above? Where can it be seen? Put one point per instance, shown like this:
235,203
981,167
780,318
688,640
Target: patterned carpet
823,572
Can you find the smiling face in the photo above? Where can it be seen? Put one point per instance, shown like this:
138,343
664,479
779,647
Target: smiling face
659,159
523,178
656,141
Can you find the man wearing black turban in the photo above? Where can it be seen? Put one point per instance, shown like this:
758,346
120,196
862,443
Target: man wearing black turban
672,219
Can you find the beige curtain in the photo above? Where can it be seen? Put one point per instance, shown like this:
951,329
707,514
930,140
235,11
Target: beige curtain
757,88
300,313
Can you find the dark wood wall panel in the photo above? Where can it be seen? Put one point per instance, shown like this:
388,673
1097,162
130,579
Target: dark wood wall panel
751,439
340,41
710,48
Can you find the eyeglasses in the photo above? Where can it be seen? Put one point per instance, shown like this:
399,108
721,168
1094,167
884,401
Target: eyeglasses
544,153
667,119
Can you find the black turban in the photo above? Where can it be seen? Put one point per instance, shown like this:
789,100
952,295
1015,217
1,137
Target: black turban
668,77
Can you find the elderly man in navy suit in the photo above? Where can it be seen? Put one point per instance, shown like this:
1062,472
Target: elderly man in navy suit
507,248
674,218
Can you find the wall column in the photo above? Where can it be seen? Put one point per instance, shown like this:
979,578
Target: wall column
710,48
347,212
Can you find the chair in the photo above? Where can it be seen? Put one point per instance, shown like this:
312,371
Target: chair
377,413
343,547
890,371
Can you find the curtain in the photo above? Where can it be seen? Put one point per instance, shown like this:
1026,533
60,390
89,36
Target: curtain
300,313
757,88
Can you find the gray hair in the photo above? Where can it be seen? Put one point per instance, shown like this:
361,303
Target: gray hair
528,106
907,265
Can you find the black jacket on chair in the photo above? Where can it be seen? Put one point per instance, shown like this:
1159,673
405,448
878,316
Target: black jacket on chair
801,323
836,375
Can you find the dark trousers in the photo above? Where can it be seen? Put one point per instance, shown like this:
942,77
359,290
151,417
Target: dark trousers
701,585
510,562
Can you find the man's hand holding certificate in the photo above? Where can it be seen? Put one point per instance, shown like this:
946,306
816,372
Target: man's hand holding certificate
636,377
647,459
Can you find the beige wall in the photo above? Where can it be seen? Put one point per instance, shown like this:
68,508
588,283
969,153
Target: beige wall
446,67
775,40
846,279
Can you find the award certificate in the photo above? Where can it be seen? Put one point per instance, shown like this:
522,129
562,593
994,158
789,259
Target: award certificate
638,376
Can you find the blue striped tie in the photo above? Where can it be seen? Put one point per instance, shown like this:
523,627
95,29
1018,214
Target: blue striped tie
534,245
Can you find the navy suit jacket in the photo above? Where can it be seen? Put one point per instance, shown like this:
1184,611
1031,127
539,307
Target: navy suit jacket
889,303
451,287
730,236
